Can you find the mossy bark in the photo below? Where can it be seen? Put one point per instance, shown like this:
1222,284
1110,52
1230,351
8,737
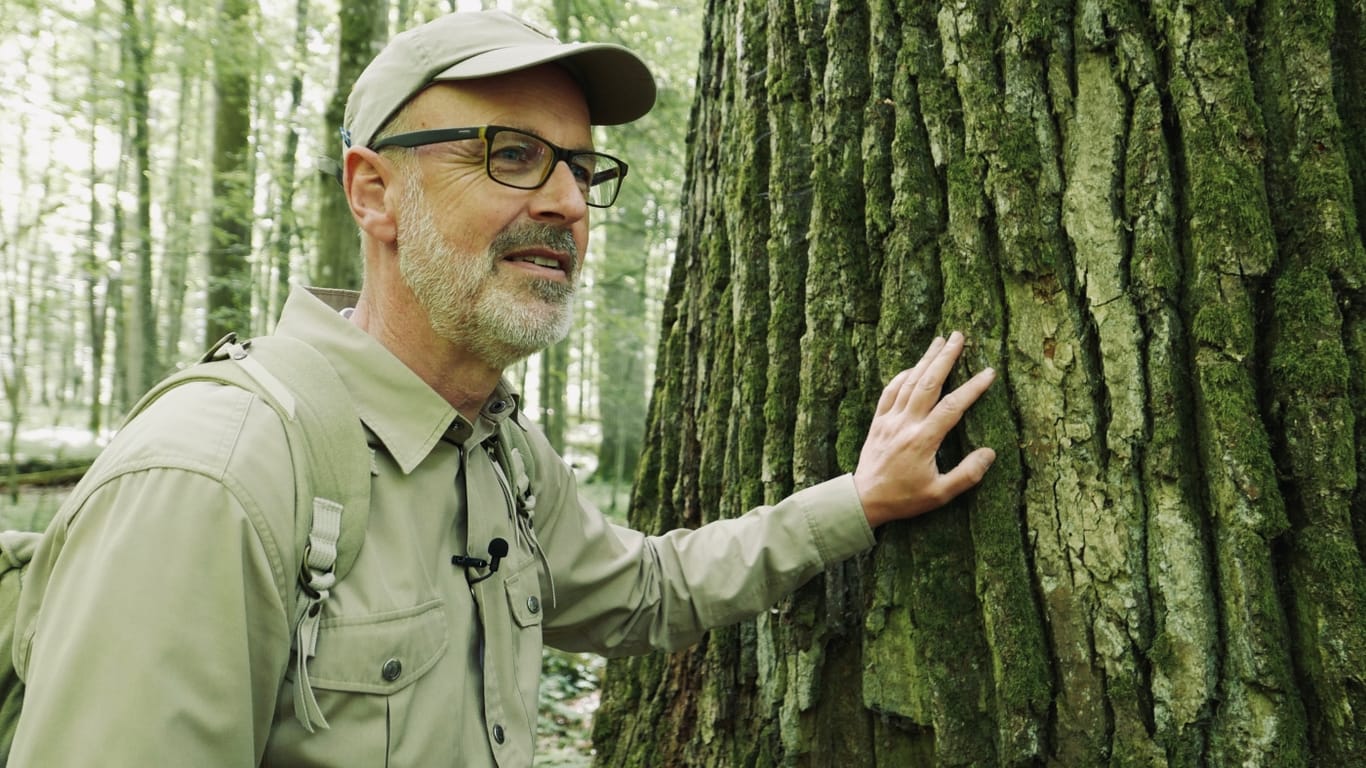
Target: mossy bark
1148,218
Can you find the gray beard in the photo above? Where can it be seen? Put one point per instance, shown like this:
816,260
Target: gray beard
466,298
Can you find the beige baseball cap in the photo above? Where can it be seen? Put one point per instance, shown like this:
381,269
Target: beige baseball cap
473,44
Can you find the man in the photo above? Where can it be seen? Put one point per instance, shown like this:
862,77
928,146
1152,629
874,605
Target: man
163,635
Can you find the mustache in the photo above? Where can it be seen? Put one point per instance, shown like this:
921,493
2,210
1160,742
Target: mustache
535,235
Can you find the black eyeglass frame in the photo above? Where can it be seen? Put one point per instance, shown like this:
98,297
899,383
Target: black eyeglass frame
487,132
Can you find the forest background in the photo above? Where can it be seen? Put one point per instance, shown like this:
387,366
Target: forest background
167,181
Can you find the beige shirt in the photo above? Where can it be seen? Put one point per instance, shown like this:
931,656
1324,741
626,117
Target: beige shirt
154,626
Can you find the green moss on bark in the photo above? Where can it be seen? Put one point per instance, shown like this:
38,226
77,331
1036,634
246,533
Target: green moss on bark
1310,371
1139,213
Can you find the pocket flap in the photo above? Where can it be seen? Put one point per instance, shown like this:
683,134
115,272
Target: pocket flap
524,599
379,653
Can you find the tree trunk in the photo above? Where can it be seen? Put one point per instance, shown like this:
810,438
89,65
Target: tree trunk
120,398
95,274
554,381
287,226
620,367
180,232
619,276
1148,218
229,294
15,274
554,360
364,26
141,331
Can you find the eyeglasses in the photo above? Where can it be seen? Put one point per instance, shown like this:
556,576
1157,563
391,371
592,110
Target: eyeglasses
522,160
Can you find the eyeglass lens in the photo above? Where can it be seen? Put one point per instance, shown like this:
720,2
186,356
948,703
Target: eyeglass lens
525,161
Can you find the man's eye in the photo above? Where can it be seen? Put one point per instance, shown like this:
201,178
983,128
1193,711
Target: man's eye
513,154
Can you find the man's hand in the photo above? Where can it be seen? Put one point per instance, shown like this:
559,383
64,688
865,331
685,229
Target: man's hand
898,476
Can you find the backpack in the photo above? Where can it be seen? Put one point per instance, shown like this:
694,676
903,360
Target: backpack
332,492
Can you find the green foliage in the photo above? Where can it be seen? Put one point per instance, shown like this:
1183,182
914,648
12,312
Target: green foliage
568,697
33,510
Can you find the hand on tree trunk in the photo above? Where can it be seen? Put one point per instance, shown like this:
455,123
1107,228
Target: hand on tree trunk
898,474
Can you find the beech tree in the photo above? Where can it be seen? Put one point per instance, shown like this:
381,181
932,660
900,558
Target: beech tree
363,32
1148,217
229,290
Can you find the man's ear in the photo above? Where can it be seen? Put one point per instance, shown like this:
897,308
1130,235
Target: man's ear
366,177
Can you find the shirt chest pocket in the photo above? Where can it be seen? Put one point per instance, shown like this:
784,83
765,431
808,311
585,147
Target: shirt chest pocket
363,677
380,653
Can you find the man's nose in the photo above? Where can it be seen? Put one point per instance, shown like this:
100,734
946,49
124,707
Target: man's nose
561,196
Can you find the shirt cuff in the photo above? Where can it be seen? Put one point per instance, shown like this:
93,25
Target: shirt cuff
836,519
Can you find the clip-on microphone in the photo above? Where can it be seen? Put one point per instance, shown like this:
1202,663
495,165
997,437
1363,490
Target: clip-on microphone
498,549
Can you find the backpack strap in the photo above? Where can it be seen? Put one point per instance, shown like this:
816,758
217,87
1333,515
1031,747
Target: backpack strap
516,463
332,463
512,453
338,458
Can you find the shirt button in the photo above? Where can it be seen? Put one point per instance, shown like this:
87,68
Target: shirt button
498,406
533,604
498,734
391,670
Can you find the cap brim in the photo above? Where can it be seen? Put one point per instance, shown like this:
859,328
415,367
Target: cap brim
616,83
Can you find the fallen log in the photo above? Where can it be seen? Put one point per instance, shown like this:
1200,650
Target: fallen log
46,477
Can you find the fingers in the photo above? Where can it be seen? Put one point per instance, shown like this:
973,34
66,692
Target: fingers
898,389
918,389
889,392
967,474
951,408
898,476
925,393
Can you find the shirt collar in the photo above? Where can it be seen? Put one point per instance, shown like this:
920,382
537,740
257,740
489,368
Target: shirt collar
405,414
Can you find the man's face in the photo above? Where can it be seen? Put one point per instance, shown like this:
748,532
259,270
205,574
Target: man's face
494,268
499,314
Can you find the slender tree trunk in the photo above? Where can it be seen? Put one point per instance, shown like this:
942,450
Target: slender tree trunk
97,290
618,336
141,332
364,27
179,231
554,380
286,233
14,363
229,294
12,380
120,398
1148,218
260,267
187,236
555,359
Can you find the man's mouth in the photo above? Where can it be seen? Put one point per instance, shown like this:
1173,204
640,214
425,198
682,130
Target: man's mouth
544,264
549,253
540,261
